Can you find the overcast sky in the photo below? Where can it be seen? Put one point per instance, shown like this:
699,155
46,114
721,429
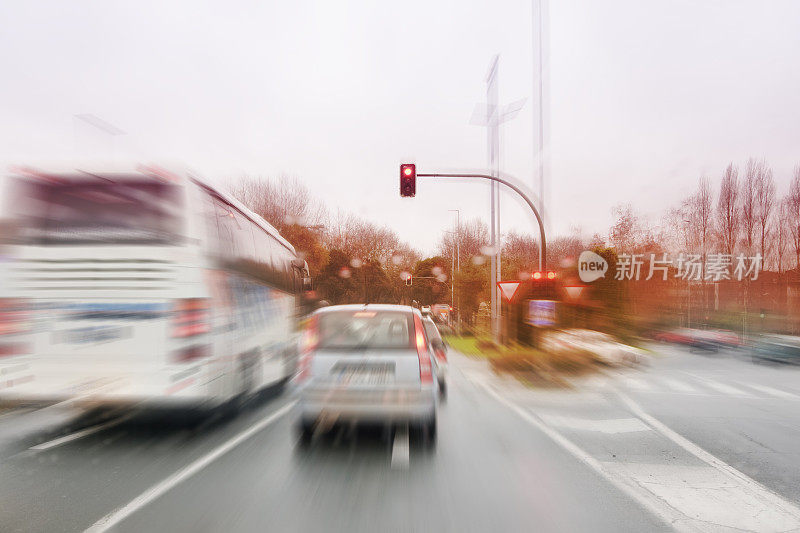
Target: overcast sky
644,96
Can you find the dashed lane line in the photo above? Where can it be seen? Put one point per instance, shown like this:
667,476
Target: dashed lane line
400,449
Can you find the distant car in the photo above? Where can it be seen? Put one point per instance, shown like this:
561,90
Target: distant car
439,351
604,347
726,338
777,348
675,336
704,340
367,363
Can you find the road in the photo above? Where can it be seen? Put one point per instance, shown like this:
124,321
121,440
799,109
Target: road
691,442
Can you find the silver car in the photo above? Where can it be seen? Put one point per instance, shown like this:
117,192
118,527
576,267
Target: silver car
367,363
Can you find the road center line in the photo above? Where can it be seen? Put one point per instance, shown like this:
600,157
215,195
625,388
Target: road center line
400,449
159,489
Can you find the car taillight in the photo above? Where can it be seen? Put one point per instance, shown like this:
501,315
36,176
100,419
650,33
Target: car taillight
308,343
14,316
190,317
425,373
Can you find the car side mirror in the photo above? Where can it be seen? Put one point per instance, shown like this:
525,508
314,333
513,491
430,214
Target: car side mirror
438,345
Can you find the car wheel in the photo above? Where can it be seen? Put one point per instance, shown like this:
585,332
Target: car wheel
430,432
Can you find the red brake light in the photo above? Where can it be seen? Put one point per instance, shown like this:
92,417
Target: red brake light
551,275
537,275
425,372
308,344
191,316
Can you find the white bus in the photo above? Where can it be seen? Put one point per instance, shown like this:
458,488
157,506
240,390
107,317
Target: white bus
142,287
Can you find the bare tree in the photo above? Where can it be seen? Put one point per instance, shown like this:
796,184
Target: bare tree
520,255
282,202
793,215
783,233
728,210
765,204
623,234
473,238
749,205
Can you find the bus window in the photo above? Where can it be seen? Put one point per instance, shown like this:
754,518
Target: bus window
99,212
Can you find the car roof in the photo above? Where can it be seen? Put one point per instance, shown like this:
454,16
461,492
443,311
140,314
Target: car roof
371,307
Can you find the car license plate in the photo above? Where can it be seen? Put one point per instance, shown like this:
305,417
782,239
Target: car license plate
359,376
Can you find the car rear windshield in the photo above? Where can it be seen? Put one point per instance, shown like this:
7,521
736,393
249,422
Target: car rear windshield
98,212
431,330
340,330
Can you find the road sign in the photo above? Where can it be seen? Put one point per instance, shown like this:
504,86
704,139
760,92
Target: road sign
541,313
508,288
574,291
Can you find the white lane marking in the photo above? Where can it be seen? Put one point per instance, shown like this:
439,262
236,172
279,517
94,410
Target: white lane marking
706,493
755,489
79,434
725,389
637,384
612,426
400,449
772,392
679,503
677,385
645,499
159,489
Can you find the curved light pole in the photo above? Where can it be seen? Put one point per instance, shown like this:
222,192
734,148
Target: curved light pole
517,189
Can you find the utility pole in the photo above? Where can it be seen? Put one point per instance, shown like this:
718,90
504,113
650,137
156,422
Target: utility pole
493,145
491,117
539,9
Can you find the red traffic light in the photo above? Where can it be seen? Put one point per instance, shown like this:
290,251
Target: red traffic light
408,180
542,275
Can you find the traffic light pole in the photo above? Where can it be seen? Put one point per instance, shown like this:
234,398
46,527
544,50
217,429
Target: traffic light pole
516,189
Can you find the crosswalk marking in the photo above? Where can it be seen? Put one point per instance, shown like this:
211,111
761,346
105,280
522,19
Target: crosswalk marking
612,426
639,384
725,389
772,392
678,385
703,386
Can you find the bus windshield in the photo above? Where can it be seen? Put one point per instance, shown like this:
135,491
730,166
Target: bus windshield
98,212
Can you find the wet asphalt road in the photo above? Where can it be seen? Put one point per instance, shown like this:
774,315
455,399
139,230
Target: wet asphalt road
507,459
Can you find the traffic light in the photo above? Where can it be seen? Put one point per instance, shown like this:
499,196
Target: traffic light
541,275
408,181
408,280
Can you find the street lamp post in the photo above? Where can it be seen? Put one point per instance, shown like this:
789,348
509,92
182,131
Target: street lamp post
458,266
